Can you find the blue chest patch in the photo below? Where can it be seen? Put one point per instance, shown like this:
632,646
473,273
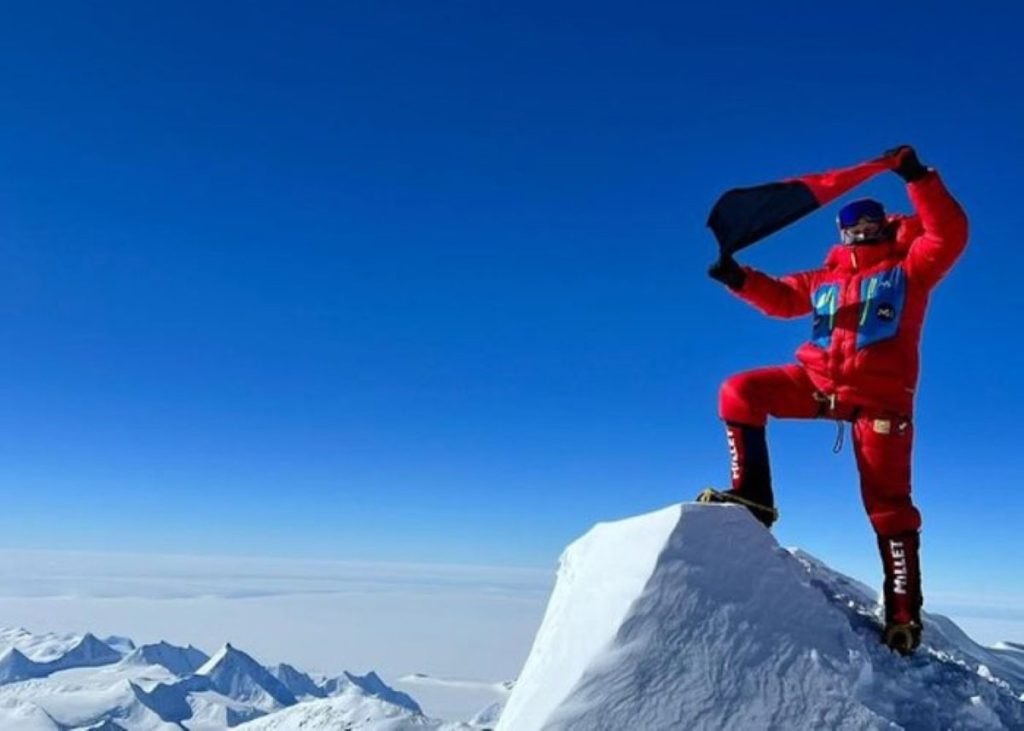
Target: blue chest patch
825,303
882,297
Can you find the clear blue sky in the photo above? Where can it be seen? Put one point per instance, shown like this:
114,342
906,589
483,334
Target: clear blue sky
426,281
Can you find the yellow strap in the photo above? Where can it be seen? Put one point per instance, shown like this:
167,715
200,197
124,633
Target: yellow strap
711,495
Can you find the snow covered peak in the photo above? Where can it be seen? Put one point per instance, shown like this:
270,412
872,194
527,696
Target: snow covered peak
178,660
14,666
373,685
694,617
226,654
124,645
238,676
299,683
90,651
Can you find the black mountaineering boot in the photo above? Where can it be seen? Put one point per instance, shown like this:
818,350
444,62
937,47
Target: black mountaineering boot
751,475
764,513
902,590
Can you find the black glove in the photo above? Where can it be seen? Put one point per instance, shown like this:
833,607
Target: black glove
728,272
907,165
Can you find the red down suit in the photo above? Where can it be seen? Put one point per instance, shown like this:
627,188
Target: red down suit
861,363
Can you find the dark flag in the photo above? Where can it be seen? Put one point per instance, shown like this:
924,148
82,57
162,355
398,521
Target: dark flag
743,216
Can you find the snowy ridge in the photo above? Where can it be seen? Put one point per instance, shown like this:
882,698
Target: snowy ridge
297,682
372,684
488,717
40,648
693,617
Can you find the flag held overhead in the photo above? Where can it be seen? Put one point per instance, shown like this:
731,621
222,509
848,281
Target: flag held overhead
743,216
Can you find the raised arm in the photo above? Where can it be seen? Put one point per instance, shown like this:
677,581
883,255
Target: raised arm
934,252
788,296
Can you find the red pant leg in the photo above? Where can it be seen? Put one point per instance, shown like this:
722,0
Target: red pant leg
752,396
883,447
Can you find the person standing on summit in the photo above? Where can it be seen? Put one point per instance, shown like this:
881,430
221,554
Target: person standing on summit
868,303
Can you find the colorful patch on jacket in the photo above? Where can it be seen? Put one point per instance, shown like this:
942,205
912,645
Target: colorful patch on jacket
825,303
882,297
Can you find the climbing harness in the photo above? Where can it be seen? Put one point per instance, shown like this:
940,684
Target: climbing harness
827,405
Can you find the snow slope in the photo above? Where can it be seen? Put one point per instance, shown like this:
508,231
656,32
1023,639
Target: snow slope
25,717
350,711
693,617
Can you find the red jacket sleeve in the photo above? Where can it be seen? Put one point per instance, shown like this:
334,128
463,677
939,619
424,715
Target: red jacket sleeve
788,296
934,252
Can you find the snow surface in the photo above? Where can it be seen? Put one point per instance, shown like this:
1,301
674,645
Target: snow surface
693,617
351,711
25,717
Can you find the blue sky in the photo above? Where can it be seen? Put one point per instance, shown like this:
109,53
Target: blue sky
411,281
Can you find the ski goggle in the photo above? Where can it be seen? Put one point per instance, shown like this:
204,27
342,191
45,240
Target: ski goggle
868,232
852,213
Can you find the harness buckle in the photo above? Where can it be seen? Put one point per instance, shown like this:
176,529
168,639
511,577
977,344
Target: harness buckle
825,399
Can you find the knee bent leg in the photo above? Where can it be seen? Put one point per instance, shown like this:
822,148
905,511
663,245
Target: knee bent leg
737,404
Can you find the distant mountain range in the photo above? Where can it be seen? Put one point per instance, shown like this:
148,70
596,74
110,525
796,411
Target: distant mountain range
53,682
